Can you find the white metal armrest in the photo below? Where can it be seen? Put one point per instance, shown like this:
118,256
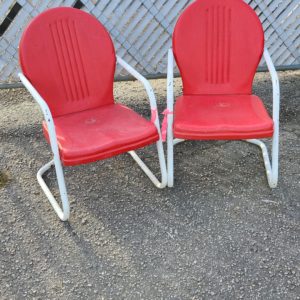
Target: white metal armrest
154,114
170,97
46,111
170,81
170,104
146,84
272,166
275,84
276,107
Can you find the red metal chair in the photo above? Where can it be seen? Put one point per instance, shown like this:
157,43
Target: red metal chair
68,62
218,45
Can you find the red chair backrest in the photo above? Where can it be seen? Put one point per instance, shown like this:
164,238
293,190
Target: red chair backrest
69,57
217,45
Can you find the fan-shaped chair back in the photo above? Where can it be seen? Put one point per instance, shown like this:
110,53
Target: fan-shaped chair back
69,57
217,45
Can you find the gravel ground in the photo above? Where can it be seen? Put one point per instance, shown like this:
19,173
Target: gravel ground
220,233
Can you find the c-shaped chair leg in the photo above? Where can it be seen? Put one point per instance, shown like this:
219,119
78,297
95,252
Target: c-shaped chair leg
148,172
271,170
171,143
63,213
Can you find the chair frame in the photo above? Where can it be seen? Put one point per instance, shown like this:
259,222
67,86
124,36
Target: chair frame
271,168
64,212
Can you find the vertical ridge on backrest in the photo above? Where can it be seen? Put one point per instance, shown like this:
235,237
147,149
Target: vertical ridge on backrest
79,61
217,40
71,58
61,48
61,61
228,45
71,65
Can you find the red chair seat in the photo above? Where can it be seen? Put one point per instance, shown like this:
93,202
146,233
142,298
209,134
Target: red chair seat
215,117
100,133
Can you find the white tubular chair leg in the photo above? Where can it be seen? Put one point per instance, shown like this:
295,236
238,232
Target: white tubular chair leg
148,172
162,162
171,142
170,151
177,141
271,170
170,104
159,144
161,158
63,213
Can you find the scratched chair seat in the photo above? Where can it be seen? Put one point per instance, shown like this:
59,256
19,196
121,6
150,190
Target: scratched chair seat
101,133
209,117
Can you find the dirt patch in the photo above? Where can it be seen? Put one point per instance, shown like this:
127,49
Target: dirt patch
4,178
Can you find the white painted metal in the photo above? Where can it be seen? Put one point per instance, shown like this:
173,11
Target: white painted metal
177,141
170,104
159,144
142,29
271,169
171,142
64,213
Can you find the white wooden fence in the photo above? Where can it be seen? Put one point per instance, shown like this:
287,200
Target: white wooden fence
141,29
